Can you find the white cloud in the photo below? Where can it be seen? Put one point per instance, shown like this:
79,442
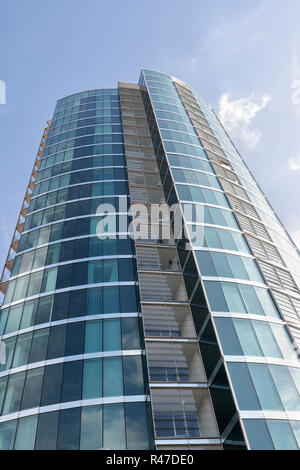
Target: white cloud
237,115
294,164
296,237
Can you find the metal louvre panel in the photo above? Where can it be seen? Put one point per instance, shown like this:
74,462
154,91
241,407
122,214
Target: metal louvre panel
134,164
150,165
152,179
196,116
138,194
287,280
138,131
131,104
240,191
201,124
193,109
170,354
142,194
218,158
296,334
219,151
226,185
277,276
297,305
272,253
173,358
260,229
162,287
190,407
287,307
207,137
213,148
219,170
164,259
270,274
245,223
234,189
242,206
132,113
146,239
168,320
136,140
136,178
257,247
252,226
230,175
141,121
136,151
146,179
147,257
137,164
210,137
157,323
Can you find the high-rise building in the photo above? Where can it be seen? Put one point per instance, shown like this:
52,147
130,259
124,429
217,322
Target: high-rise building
151,296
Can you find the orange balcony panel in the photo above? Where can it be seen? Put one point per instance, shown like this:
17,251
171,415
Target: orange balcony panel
24,211
9,264
20,227
15,245
3,287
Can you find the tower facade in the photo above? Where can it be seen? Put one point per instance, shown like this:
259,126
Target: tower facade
151,295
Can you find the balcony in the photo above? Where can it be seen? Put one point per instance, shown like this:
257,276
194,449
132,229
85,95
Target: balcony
162,287
168,321
174,361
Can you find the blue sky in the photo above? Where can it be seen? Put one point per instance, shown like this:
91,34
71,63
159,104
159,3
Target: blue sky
243,57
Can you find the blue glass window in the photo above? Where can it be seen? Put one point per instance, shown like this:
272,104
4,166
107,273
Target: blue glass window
247,337
112,377
258,434
91,428
114,427
92,379
282,435
26,432
243,386
265,387
93,337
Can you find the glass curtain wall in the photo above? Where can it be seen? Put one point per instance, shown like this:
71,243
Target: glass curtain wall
74,370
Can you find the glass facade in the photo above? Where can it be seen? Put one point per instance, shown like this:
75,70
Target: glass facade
110,342
74,373
247,336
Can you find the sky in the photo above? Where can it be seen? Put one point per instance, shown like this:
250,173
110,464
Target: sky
243,57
